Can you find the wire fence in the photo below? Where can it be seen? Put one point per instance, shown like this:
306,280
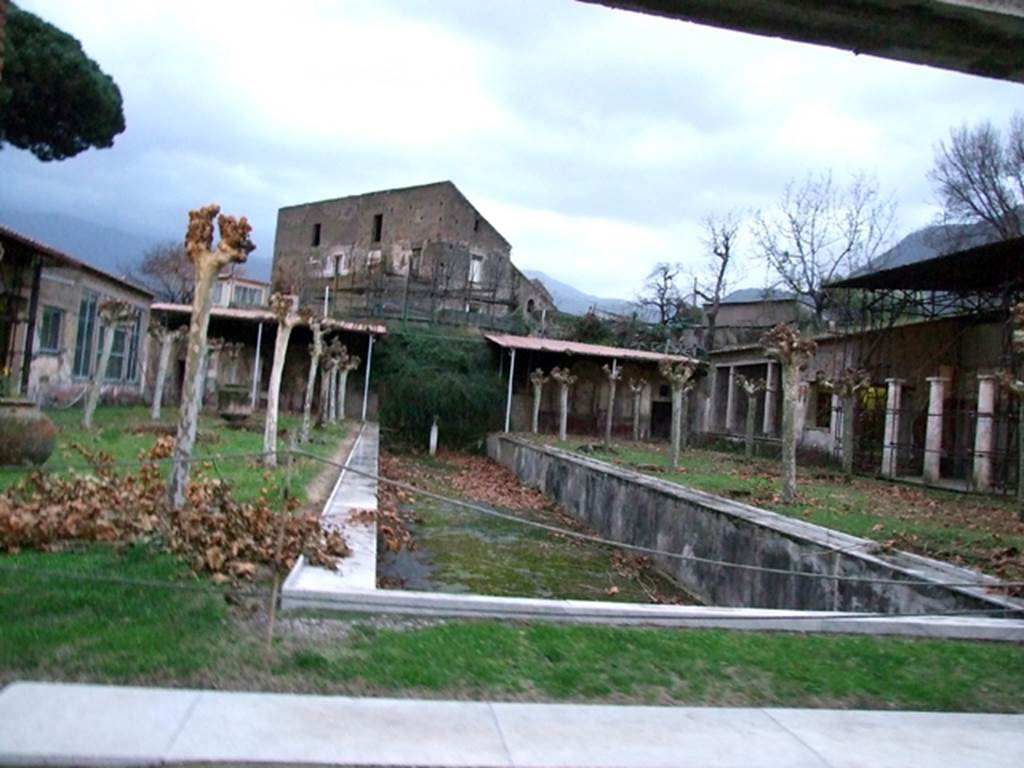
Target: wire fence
271,595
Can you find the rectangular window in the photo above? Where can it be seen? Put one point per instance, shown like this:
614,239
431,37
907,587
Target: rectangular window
822,404
49,329
342,262
315,240
218,295
84,335
247,296
378,227
476,224
327,270
124,353
476,269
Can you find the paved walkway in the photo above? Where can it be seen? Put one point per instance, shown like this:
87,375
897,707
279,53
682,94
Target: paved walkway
352,493
61,724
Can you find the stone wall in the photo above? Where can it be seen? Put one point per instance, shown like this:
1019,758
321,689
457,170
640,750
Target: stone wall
628,507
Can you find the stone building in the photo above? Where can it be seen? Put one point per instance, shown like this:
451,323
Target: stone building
50,336
417,253
745,314
936,336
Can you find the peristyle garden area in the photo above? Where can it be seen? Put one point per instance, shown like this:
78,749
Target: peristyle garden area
136,613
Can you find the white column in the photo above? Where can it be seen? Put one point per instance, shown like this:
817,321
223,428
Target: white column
768,424
730,400
893,403
254,395
835,421
933,435
366,380
508,400
983,432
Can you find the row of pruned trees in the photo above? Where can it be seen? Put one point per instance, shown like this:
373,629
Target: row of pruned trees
328,356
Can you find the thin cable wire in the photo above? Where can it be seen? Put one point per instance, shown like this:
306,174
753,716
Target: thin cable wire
266,594
998,586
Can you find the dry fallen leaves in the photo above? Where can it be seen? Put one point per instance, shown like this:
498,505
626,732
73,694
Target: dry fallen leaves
213,532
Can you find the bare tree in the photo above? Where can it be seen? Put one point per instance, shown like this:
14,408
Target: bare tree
660,292
979,176
234,246
710,286
114,316
679,376
166,270
820,231
784,344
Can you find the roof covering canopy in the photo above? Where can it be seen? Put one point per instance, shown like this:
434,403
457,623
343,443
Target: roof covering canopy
990,268
560,347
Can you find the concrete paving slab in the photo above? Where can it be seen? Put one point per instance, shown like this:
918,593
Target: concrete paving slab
69,724
648,737
278,728
351,493
900,739
55,724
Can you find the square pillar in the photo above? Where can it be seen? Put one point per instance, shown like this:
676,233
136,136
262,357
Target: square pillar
893,404
730,400
933,435
983,432
768,423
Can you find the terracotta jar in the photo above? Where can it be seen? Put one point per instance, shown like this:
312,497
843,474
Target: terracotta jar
27,436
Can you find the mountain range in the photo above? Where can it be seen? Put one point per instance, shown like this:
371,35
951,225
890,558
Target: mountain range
574,301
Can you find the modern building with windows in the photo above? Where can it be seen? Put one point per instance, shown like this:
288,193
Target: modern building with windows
240,292
416,253
50,335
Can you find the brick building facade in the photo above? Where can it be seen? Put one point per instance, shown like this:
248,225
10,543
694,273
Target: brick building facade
421,253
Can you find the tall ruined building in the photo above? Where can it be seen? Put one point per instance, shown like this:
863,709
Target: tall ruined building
422,253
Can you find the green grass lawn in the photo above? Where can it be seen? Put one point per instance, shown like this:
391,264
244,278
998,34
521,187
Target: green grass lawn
981,532
124,432
57,623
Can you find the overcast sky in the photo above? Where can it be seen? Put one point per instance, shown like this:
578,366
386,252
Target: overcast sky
594,140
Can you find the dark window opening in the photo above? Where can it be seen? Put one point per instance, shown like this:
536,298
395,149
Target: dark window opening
663,390
378,227
84,335
823,408
315,240
529,306
49,330
476,224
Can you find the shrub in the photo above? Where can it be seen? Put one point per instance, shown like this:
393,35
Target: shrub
422,374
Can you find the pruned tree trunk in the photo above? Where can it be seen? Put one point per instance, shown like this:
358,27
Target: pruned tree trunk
748,438
316,350
677,423
114,315
163,363
790,402
785,345
281,305
1020,453
613,374
92,399
563,412
637,388
684,418
342,391
234,246
332,397
325,390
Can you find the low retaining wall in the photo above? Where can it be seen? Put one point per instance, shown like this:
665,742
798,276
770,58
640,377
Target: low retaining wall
633,508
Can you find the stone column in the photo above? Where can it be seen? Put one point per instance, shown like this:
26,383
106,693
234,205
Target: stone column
933,436
768,424
893,403
983,432
730,400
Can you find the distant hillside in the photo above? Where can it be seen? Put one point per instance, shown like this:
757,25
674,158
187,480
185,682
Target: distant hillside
575,301
105,248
